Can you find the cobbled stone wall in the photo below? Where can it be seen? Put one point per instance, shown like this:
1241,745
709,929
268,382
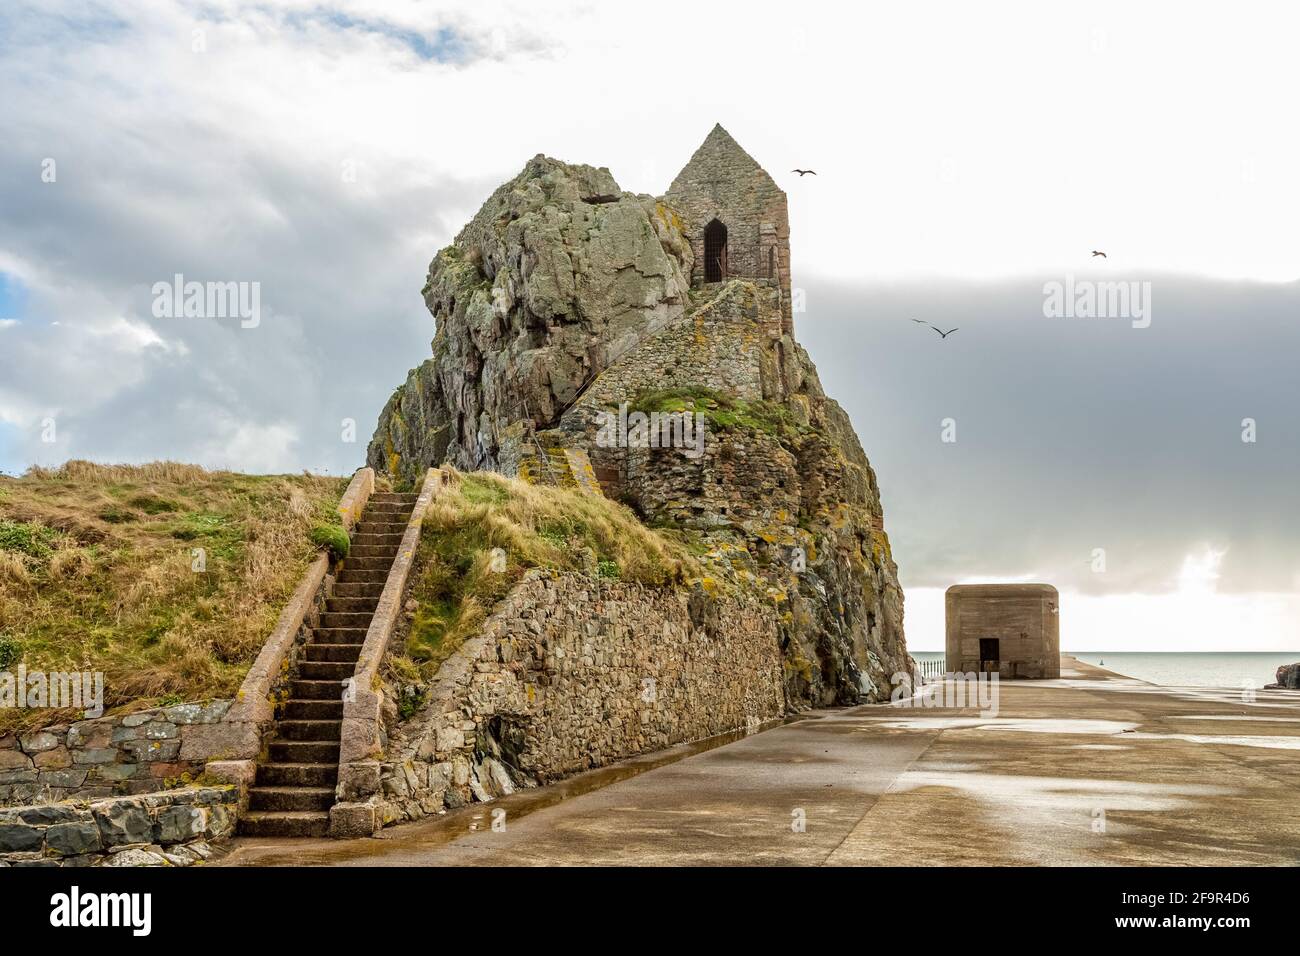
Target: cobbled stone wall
125,754
161,829
572,673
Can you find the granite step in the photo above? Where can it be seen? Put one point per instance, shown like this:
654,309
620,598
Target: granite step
358,576
297,774
290,798
303,689
304,751
380,551
359,589
339,635
310,731
313,710
333,652
352,605
330,620
285,823
336,671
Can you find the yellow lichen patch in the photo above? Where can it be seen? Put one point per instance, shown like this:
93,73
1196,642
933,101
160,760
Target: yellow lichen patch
668,216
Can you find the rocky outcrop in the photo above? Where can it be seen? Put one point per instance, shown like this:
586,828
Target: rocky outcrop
1288,677
565,302
558,272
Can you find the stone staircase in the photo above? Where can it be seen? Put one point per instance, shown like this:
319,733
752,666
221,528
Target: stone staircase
562,467
294,788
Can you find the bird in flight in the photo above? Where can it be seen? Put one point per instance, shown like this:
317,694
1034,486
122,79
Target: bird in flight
1095,254
942,333
804,172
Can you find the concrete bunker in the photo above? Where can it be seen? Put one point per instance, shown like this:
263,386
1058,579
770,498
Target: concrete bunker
1012,630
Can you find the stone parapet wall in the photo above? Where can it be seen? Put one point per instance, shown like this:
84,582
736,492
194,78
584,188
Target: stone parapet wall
160,829
123,754
572,673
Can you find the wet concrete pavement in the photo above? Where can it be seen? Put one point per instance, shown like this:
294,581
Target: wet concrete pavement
1091,769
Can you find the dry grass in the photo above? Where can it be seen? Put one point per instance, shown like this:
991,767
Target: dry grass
535,526
164,576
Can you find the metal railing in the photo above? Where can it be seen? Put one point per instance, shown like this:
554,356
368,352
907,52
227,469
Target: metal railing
932,669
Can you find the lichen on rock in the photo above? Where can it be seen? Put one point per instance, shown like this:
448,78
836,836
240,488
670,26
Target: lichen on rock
557,272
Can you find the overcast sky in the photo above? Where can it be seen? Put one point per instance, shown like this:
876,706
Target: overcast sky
966,154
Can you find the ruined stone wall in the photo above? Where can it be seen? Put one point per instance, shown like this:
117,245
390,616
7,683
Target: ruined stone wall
572,673
123,754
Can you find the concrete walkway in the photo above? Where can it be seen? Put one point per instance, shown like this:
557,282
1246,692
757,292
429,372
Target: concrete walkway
1091,769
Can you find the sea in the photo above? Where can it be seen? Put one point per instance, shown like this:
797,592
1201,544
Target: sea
1217,669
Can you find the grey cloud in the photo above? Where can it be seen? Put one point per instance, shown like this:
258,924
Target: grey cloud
143,194
1073,434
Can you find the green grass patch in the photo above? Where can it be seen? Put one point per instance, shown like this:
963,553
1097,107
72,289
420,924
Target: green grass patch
33,540
332,537
11,652
166,577
720,411
154,505
483,532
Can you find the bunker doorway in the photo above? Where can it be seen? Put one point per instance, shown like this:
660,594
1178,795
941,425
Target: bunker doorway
990,653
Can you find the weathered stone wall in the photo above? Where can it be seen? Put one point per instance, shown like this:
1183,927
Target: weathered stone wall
572,673
125,754
724,342
161,829
723,182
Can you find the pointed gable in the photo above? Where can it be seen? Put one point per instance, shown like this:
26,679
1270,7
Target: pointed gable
719,157
750,237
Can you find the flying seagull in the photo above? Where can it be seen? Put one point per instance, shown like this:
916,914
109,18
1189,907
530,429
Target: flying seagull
804,172
942,333
1095,254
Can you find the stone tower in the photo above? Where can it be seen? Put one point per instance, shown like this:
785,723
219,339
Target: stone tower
735,217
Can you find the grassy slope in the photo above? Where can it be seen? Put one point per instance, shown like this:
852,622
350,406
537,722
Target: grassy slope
96,573
536,527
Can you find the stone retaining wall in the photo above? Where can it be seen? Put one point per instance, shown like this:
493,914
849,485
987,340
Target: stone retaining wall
160,829
572,673
125,754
